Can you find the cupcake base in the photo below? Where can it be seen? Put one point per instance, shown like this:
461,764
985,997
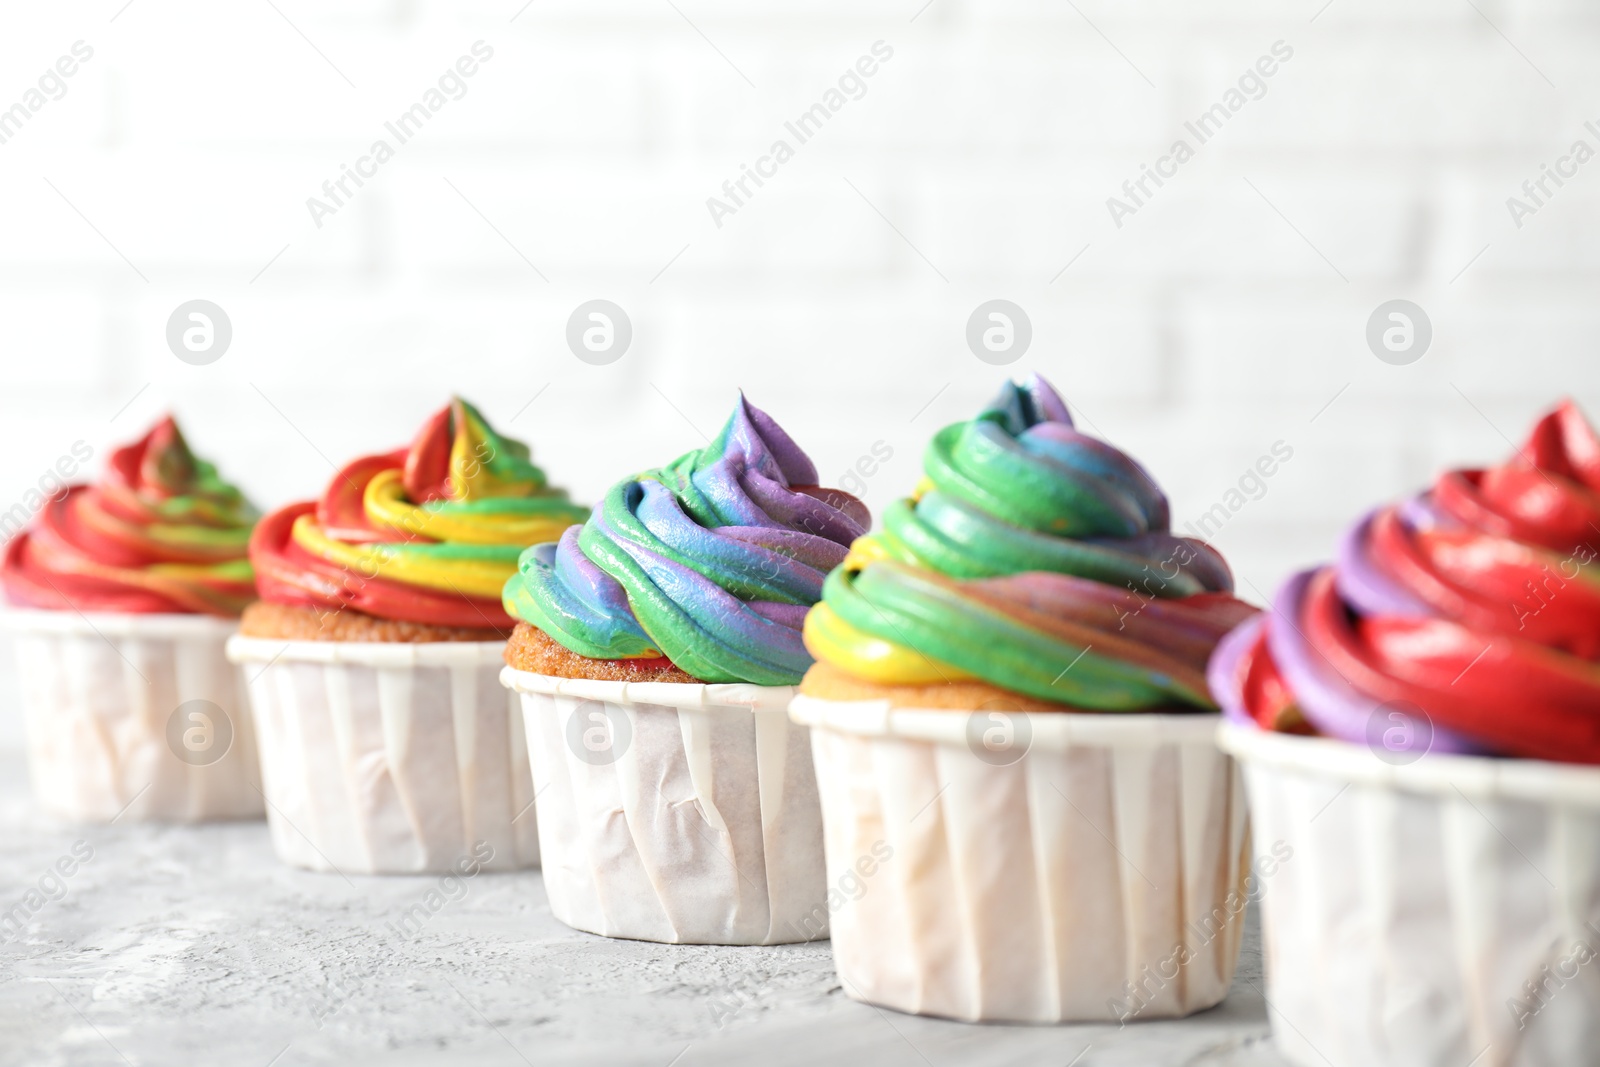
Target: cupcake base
1093,869
677,813
135,717
533,651
389,758
1435,914
290,623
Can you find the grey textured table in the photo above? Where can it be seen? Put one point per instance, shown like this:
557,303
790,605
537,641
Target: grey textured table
194,945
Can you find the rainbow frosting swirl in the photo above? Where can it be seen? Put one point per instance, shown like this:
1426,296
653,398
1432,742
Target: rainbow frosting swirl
710,561
1465,619
1036,559
425,534
159,532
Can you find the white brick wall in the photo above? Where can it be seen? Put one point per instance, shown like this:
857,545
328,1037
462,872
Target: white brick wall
1195,336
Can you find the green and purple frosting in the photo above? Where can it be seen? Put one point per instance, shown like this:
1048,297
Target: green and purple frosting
1036,559
711,561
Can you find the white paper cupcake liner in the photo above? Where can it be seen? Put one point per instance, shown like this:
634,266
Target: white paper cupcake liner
134,717
674,812
1098,877
387,757
1420,901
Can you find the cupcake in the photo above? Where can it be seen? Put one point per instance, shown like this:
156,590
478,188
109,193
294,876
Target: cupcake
1420,722
658,650
122,593
387,744
1025,810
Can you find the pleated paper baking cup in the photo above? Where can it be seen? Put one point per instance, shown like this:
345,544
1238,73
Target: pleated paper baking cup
1439,913
134,717
1045,867
389,758
674,812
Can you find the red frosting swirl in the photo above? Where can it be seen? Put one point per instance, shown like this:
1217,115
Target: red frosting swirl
425,534
159,532
1477,602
